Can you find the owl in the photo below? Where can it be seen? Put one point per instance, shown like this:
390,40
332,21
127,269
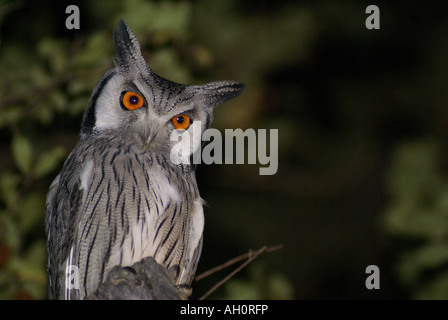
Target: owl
120,197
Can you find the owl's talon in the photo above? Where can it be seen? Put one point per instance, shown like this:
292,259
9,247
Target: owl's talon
184,291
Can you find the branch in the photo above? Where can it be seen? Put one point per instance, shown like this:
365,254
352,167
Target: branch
147,280
144,280
250,256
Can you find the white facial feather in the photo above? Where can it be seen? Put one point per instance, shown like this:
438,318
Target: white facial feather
107,112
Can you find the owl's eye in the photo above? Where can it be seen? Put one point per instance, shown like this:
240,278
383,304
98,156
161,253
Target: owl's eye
181,122
131,100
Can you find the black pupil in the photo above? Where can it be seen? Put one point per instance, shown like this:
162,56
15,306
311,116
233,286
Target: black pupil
180,120
133,99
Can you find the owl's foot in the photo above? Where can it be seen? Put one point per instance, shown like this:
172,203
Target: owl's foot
184,291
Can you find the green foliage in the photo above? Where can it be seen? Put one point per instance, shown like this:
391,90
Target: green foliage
418,215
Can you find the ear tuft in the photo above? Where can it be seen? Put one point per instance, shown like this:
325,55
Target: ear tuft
219,91
129,54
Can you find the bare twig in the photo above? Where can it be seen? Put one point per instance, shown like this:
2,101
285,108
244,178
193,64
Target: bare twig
250,256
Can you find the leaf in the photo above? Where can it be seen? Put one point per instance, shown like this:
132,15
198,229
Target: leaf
10,115
169,63
422,260
432,256
242,290
29,270
23,152
95,52
8,186
77,105
48,161
53,51
58,100
434,289
31,211
280,287
43,113
10,234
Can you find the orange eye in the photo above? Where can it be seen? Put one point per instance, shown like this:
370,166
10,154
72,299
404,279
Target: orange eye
132,100
181,122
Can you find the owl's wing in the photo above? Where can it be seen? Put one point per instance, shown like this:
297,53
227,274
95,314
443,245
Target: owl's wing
52,233
194,248
49,203
65,199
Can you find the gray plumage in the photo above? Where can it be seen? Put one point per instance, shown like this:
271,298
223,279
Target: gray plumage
119,197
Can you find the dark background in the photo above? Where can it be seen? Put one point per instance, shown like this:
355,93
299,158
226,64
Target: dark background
352,106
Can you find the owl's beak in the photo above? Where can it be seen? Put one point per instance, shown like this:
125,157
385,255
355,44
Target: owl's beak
148,142
152,134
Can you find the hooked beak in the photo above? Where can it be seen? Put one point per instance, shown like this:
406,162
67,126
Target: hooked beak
153,131
150,139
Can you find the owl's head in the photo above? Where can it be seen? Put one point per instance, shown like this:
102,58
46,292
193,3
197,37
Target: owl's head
131,98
